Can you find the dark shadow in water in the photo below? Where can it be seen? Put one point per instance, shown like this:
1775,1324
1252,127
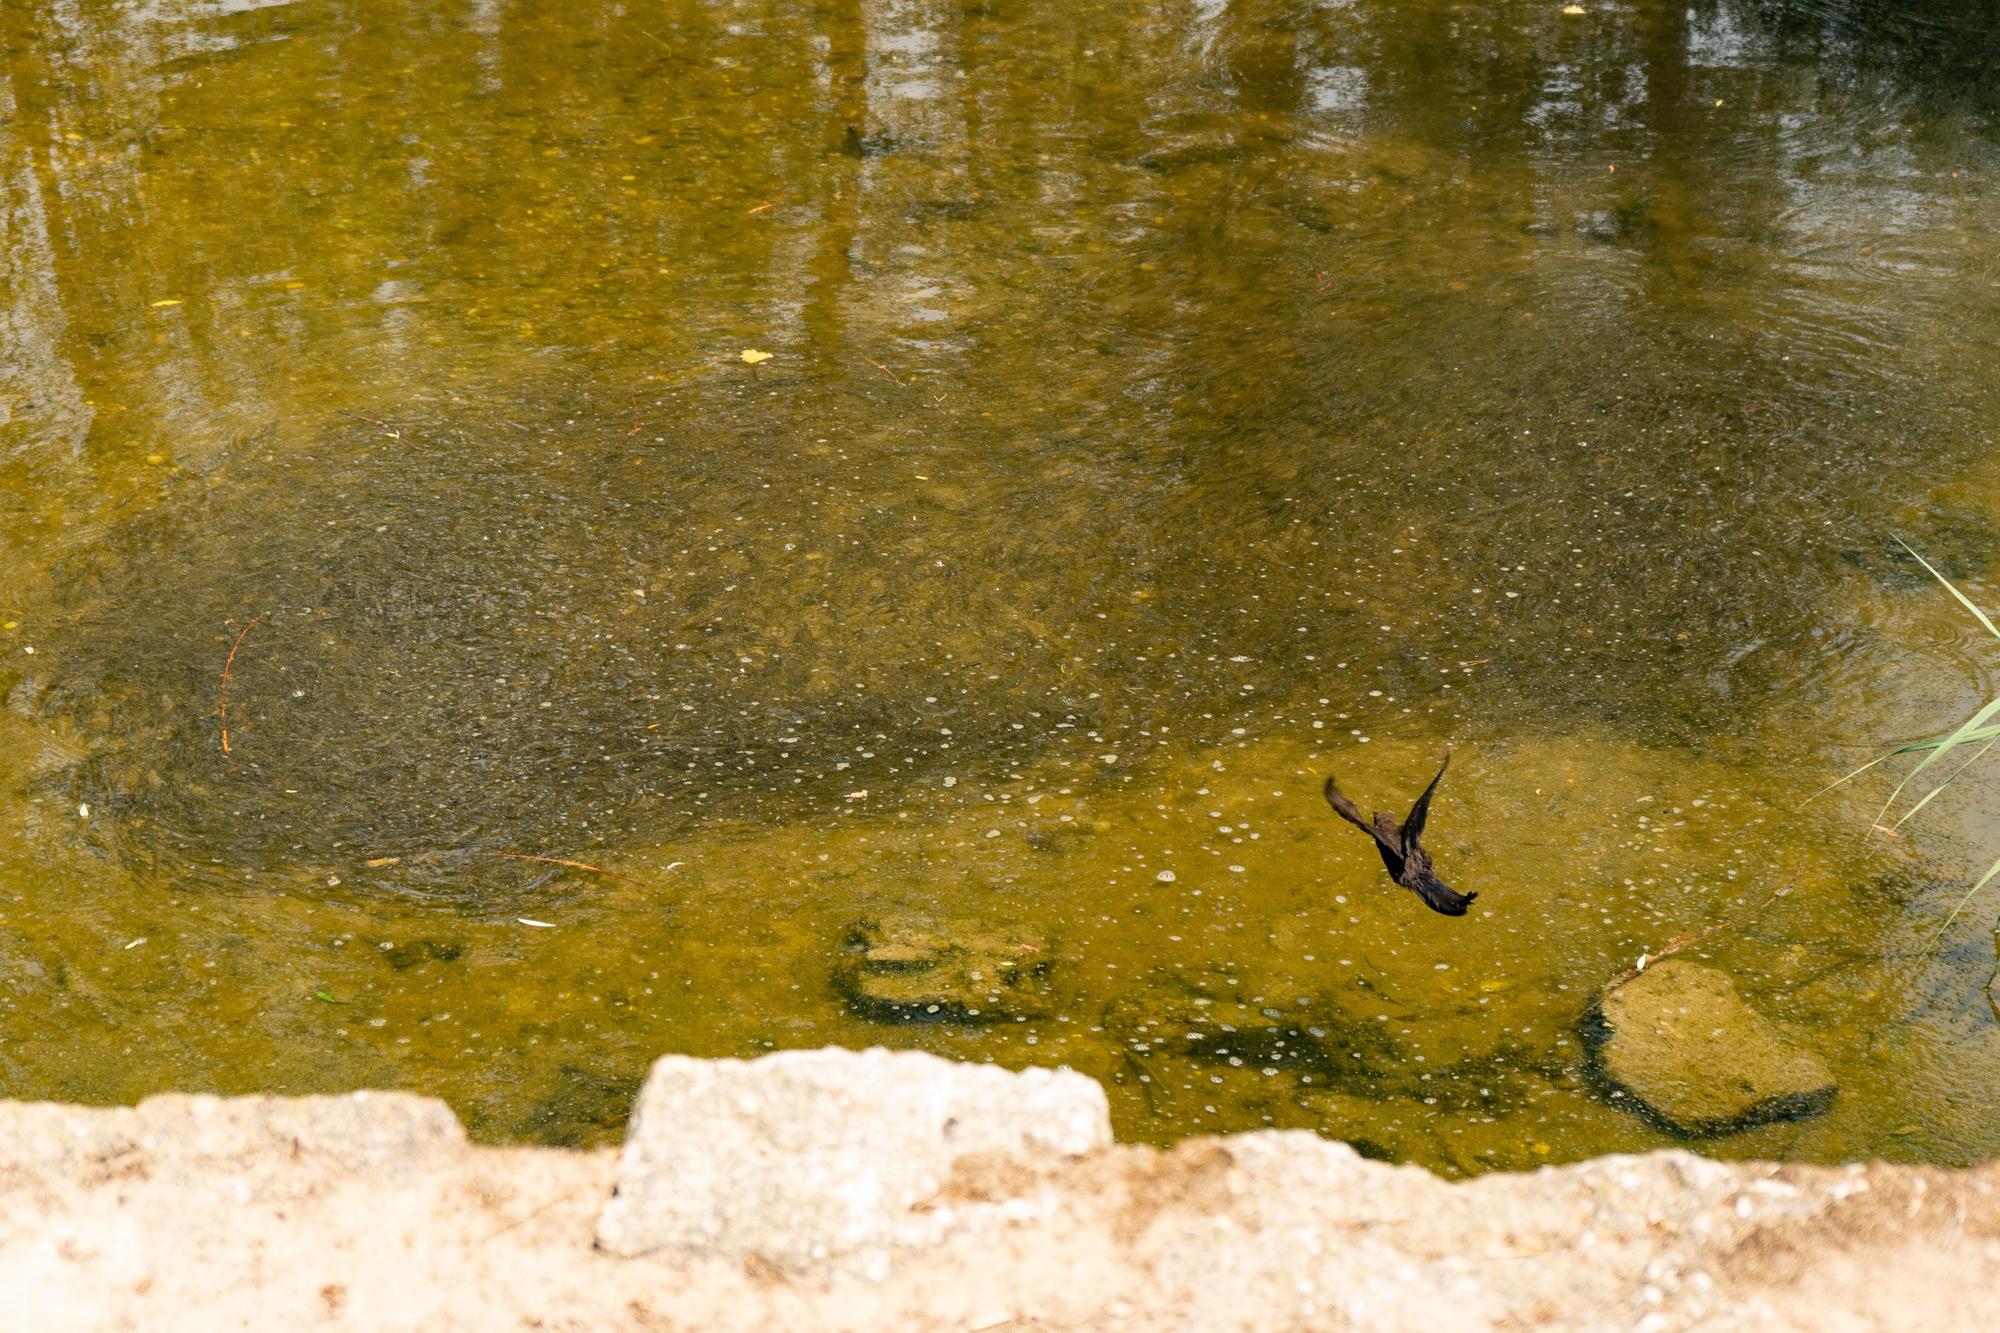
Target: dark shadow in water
1948,50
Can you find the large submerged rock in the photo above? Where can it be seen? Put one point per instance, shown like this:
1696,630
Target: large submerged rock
914,969
1214,1015
1679,1042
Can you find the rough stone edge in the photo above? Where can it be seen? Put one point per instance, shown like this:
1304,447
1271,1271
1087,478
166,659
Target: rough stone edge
1067,1115
1220,1233
357,1131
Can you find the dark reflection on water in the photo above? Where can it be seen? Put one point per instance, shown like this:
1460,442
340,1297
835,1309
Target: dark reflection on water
1934,48
1144,380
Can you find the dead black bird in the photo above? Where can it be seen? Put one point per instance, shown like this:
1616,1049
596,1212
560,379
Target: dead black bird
1409,864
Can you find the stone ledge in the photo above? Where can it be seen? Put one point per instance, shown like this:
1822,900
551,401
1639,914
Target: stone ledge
875,1190
841,1157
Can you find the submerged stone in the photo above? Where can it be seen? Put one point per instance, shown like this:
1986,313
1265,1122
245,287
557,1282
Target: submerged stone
918,969
1218,1016
1378,1129
586,1107
1957,543
405,956
1682,1045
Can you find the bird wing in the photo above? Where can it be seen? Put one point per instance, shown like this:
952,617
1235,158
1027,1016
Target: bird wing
1345,809
1440,897
1413,827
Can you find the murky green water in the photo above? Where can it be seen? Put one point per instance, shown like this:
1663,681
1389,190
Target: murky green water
1167,405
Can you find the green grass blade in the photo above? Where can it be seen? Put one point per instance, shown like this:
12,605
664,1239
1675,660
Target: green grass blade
1970,893
1965,735
1945,747
1878,759
1911,812
1914,747
1971,731
1963,599
1983,734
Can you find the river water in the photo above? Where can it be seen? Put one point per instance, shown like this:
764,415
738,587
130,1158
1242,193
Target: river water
438,657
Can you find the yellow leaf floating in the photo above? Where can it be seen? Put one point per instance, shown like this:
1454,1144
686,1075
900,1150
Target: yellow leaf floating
158,304
752,357
1572,9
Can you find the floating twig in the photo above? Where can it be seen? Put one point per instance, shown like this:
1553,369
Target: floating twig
222,689
1689,937
559,861
885,370
761,208
673,54
635,413
382,426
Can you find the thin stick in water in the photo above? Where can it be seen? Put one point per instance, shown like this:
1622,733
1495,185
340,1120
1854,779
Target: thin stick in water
559,861
885,370
1689,937
222,689
382,426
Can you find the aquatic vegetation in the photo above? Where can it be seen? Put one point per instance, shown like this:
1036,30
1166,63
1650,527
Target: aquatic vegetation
461,699
1979,730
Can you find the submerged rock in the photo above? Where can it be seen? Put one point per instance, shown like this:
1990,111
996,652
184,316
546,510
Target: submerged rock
1957,543
405,956
917,969
1381,1130
585,1108
1215,1015
1680,1042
